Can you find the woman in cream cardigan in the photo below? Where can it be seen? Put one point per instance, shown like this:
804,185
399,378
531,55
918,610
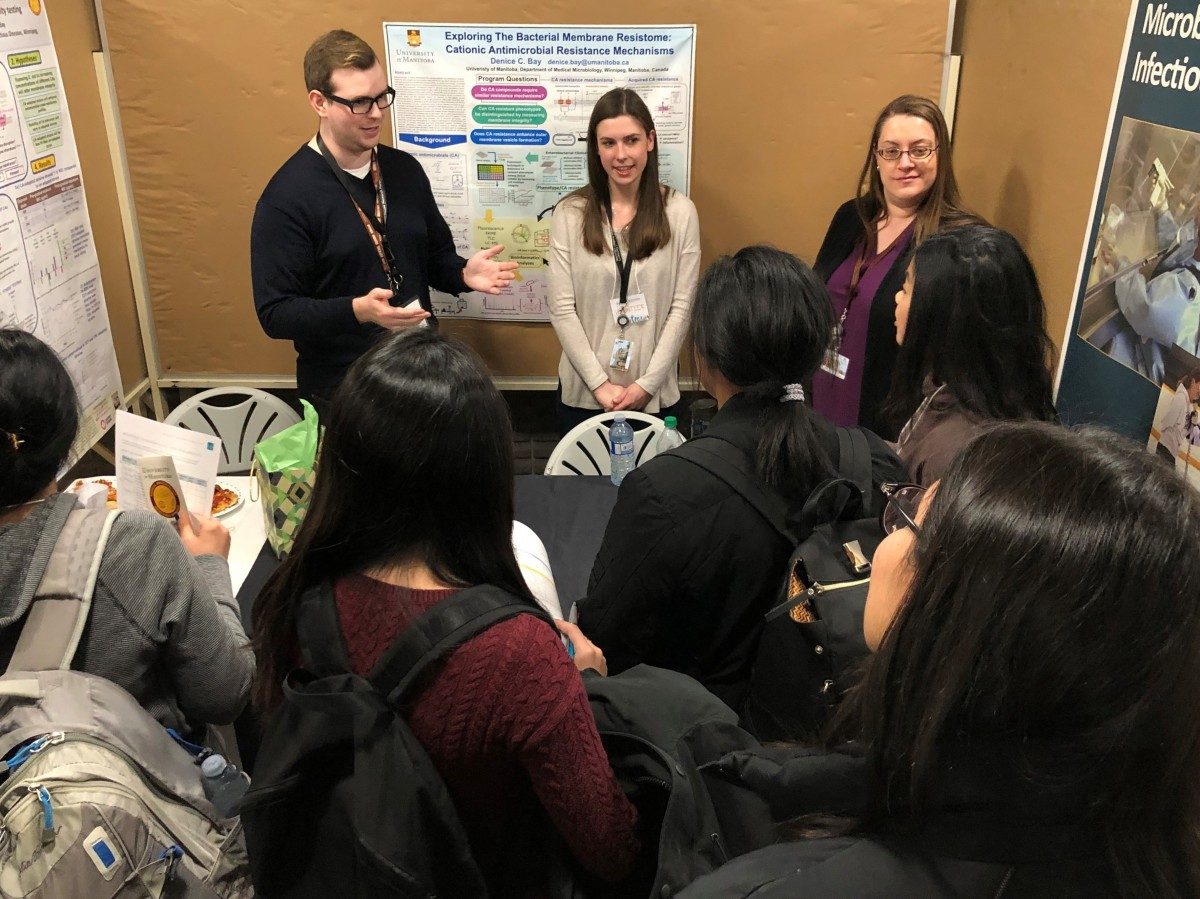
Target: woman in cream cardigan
624,259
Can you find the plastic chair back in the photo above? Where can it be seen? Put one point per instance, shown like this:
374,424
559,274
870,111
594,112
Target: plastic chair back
584,449
257,416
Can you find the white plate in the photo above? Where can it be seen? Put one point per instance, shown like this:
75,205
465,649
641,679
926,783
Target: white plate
241,500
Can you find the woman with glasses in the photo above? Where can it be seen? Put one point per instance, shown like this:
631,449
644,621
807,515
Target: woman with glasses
907,192
689,565
1028,715
624,258
971,326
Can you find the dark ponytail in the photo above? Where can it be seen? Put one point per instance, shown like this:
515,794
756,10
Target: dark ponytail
763,320
39,416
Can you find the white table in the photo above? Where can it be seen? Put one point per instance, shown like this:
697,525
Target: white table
247,530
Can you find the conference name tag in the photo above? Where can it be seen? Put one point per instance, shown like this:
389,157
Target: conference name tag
835,364
634,310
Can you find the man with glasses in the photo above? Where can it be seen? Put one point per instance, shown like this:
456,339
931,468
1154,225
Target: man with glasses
347,238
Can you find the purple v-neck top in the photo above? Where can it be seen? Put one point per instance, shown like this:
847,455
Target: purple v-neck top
838,399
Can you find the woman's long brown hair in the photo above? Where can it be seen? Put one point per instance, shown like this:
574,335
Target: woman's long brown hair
649,230
942,206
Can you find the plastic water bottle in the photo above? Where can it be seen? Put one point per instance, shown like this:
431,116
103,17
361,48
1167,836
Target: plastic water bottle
670,436
620,449
224,784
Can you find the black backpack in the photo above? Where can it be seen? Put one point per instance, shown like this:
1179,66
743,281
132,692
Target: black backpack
812,640
345,801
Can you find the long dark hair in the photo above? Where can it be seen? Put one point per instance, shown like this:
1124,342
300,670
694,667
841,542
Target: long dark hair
977,324
1055,603
762,319
941,207
39,416
416,465
650,230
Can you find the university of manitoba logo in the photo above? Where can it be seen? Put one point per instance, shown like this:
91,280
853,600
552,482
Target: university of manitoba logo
414,37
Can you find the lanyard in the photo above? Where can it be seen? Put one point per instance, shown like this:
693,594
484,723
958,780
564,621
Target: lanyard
376,223
624,266
861,268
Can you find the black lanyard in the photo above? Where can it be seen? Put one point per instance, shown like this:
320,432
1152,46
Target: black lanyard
624,266
375,222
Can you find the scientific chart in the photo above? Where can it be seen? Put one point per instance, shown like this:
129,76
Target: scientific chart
49,272
498,117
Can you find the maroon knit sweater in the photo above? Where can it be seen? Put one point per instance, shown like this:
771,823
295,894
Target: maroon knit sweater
506,721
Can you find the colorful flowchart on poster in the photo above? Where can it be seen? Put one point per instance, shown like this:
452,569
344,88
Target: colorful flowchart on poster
498,114
49,271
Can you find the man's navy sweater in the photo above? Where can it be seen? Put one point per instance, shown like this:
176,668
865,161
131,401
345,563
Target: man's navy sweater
310,256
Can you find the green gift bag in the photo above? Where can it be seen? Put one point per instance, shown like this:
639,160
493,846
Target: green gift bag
283,471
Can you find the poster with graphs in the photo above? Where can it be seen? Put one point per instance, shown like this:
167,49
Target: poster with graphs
49,271
498,117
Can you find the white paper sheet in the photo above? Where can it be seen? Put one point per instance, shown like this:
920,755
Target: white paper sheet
535,568
196,458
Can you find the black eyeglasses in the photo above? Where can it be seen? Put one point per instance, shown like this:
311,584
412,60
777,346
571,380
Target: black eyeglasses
901,509
362,105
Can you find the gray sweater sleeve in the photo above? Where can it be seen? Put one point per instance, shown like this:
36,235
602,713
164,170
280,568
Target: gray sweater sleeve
185,607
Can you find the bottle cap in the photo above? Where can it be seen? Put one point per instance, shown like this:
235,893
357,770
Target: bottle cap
213,765
671,421
619,417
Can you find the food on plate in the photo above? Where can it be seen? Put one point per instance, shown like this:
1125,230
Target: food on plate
224,498
111,502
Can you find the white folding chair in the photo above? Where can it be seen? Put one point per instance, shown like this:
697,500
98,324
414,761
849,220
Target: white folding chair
584,448
257,416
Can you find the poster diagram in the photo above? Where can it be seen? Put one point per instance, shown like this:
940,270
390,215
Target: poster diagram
49,271
497,115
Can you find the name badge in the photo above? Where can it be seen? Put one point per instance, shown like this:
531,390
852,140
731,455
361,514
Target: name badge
633,311
621,351
835,364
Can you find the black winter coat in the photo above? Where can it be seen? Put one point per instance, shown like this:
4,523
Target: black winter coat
688,568
989,830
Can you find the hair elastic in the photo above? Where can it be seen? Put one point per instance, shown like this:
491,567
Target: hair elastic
792,393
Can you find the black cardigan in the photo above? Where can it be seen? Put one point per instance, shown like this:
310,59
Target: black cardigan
845,229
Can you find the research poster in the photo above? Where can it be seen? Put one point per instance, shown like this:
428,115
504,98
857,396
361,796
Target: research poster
1134,331
49,271
498,116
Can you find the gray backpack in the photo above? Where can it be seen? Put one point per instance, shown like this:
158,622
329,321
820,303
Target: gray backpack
97,799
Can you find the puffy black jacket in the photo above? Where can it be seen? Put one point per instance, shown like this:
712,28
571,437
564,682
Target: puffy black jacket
688,568
989,830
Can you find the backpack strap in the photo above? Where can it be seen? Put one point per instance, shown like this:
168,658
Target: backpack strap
319,633
854,458
442,628
54,624
828,501
727,462
446,626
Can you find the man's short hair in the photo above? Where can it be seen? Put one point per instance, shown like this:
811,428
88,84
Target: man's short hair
1191,377
335,50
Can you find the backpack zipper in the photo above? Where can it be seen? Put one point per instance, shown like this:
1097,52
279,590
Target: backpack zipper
58,737
818,588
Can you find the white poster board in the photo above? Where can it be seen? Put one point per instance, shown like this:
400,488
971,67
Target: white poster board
49,271
498,114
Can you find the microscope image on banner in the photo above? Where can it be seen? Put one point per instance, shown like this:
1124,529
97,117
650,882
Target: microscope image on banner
1141,306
